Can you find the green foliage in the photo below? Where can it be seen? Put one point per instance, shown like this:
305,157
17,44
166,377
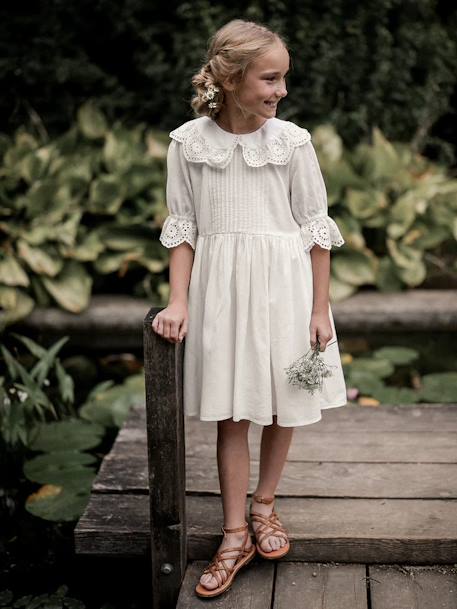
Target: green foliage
370,376
81,205
109,405
27,395
389,64
56,600
38,389
396,210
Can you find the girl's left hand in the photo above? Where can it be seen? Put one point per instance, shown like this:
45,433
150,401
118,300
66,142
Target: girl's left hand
321,328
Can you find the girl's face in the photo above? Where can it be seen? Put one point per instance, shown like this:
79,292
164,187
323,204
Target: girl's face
264,83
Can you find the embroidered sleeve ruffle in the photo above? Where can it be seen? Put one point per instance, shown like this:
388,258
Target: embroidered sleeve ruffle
205,142
177,229
323,231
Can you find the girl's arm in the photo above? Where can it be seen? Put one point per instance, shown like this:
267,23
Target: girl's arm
179,234
181,261
320,260
319,231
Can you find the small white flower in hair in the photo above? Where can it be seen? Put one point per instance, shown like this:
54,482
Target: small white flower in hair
211,91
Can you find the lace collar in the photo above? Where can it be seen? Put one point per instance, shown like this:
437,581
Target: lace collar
205,142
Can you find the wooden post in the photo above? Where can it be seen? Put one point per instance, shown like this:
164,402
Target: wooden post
163,368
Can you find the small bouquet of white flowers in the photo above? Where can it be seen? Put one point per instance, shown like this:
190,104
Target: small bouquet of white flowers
309,371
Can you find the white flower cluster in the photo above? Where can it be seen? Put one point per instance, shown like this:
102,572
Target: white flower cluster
309,371
211,90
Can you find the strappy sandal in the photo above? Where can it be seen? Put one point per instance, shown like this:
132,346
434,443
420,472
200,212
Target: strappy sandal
269,525
218,564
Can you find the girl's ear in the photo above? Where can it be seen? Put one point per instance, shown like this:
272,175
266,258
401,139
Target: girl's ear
232,82
229,84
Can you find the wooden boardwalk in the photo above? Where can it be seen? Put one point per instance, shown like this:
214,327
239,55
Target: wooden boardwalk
369,496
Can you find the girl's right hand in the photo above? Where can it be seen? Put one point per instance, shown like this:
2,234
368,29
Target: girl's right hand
172,322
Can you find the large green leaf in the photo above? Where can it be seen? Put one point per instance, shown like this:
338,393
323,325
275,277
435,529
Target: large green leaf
365,203
43,260
355,268
439,387
71,434
375,366
22,305
387,279
11,272
71,288
34,165
106,194
111,406
397,355
66,505
123,148
38,468
91,121
87,249
396,395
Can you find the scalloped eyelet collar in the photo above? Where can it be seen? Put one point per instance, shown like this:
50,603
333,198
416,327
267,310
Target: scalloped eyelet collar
205,142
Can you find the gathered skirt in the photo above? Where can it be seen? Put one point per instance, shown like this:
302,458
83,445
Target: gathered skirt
250,301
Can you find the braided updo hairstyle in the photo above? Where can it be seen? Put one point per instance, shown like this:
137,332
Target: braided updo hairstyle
231,50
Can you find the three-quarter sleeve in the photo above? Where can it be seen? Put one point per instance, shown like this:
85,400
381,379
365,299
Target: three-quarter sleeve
308,197
181,223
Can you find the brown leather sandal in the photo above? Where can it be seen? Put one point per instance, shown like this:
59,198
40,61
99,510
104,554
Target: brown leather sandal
269,525
218,564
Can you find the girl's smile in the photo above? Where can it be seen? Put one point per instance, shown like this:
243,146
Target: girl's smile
256,98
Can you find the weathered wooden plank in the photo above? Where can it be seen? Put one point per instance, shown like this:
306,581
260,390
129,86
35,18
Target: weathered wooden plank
125,470
322,585
397,587
352,417
320,479
374,447
163,369
114,525
344,530
252,587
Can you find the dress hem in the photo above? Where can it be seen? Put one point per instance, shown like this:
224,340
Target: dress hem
257,422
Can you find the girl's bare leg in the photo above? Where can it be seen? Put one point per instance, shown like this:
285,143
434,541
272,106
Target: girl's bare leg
233,466
274,448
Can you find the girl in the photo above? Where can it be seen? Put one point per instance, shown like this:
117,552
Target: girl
250,241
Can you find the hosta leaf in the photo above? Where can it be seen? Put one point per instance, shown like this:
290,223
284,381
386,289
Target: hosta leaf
34,165
355,268
11,272
110,262
338,290
89,248
106,194
123,148
91,121
365,203
23,305
43,260
71,288
387,279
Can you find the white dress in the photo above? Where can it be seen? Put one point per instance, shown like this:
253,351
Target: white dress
251,206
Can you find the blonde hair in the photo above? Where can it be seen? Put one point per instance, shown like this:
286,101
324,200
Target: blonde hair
230,52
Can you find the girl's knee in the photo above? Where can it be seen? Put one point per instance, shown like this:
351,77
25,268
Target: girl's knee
231,426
